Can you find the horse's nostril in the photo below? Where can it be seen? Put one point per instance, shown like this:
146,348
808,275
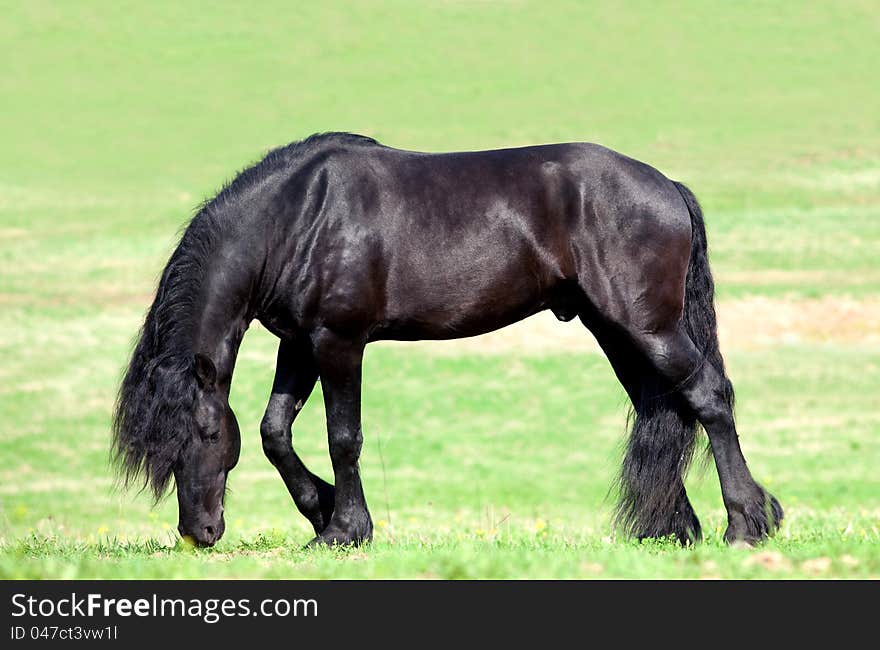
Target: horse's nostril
209,531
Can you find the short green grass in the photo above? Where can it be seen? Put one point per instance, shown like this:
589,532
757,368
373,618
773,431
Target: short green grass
118,118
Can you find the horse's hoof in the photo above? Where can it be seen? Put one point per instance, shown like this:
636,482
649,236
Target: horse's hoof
336,537
315,542
755,522
742,544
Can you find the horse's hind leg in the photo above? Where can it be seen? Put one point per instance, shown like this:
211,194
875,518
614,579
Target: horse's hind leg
753,514
653,501
295,377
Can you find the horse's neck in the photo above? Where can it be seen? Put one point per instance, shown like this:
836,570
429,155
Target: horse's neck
223,319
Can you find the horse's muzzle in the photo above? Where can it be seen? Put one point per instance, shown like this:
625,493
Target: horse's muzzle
203,535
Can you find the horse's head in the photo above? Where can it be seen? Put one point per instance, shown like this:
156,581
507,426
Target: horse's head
173,418
202,465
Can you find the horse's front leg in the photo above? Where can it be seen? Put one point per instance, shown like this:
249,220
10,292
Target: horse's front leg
339,364
295,376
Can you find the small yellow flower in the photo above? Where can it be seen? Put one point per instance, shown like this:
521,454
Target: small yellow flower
540,525
103,530
382,523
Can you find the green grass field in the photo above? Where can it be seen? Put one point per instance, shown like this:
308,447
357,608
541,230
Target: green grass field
119,118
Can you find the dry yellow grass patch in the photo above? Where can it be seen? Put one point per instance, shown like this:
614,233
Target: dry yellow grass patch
759,321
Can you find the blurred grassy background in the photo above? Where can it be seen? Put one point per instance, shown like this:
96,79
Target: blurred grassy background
118,118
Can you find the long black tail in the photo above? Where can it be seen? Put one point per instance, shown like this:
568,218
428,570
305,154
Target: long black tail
699,300
653,502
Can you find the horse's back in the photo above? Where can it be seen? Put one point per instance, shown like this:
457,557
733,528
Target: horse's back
551,185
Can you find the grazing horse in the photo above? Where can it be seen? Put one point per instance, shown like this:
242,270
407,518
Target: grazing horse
337,241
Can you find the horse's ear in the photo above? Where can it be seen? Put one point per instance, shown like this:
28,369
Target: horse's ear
206,372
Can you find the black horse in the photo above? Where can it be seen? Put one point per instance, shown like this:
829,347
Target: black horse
337,241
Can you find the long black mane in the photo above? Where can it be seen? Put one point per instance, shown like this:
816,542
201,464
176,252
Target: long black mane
153,420
154,410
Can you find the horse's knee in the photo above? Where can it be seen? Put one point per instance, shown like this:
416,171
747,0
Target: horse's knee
276,439
345,445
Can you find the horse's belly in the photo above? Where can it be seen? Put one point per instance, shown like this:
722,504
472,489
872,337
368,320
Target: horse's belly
468,305
442,324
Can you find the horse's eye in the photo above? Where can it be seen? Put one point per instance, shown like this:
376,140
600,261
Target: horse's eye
213,437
